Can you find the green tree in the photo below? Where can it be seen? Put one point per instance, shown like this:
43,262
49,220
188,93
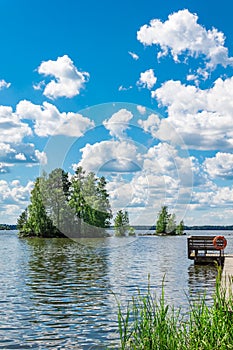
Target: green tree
76,198
121,223
38,223
22,220
162,220
171,224
103,207
55,193
131,231
180,228
90,201
76,208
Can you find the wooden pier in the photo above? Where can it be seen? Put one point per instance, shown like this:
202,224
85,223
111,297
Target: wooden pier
202,250
227,277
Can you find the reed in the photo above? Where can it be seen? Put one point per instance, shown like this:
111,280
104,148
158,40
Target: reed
149,323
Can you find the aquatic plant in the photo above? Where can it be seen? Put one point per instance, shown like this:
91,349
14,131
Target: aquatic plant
149,323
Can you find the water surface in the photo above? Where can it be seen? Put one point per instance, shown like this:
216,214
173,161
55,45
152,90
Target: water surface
61,293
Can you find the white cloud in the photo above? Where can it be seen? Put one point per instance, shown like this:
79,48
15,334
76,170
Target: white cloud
4,84
39,86
165,160
220,166
5,150
220,197
21,193
49,121
14,198
141,109
147,79
68,79
181,34
4,168
151,124
133,55
23,152
12,129
118,123
123,88
110,156
20,156
14,192
200,117
41,156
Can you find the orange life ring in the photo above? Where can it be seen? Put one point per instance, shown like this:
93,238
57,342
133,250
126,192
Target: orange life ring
220,242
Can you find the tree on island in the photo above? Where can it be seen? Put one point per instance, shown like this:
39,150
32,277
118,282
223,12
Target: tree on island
34,221
180,228
162,221
78,207
166,223
121,224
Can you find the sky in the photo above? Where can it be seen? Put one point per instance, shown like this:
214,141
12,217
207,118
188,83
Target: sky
140,92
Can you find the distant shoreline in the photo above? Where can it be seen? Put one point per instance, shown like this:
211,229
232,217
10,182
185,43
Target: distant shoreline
187,228
150,228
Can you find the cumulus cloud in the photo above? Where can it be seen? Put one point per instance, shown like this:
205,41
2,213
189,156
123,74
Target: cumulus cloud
220,166
147,79
110,156
118,123
14,192
164,159
141,109
133,55
4,84
12,129
200,117
68,80
14,198
151,124
20,156
181,34
49,121
21,153
218,198
41,156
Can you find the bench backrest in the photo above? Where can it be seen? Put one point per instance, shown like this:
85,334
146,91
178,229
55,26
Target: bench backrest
201,242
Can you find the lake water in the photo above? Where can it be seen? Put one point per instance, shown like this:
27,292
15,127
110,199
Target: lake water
60,293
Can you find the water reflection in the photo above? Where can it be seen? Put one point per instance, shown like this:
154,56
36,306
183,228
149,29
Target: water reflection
69,284
201,281
57,293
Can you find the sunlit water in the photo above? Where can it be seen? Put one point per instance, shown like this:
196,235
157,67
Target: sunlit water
60,293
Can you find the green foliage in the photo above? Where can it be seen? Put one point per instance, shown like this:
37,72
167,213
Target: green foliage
22,220
166,223
78,208
180,228
36,223
121,223
149,323
171,224
162,221
55,192
131,231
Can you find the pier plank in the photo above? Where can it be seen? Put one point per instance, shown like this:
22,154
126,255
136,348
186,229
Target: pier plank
227,276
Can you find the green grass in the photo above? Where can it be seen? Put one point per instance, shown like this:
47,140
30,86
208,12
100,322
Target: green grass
149,323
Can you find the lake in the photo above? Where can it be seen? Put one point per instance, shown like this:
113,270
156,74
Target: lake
61,293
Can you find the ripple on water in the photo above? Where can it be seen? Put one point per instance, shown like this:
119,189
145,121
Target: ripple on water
59,293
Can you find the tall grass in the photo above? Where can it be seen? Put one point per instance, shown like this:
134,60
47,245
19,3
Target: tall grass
149,323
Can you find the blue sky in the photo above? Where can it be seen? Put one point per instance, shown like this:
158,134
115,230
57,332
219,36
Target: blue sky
140,92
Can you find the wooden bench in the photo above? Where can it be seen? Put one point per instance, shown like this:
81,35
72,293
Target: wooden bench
202,250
